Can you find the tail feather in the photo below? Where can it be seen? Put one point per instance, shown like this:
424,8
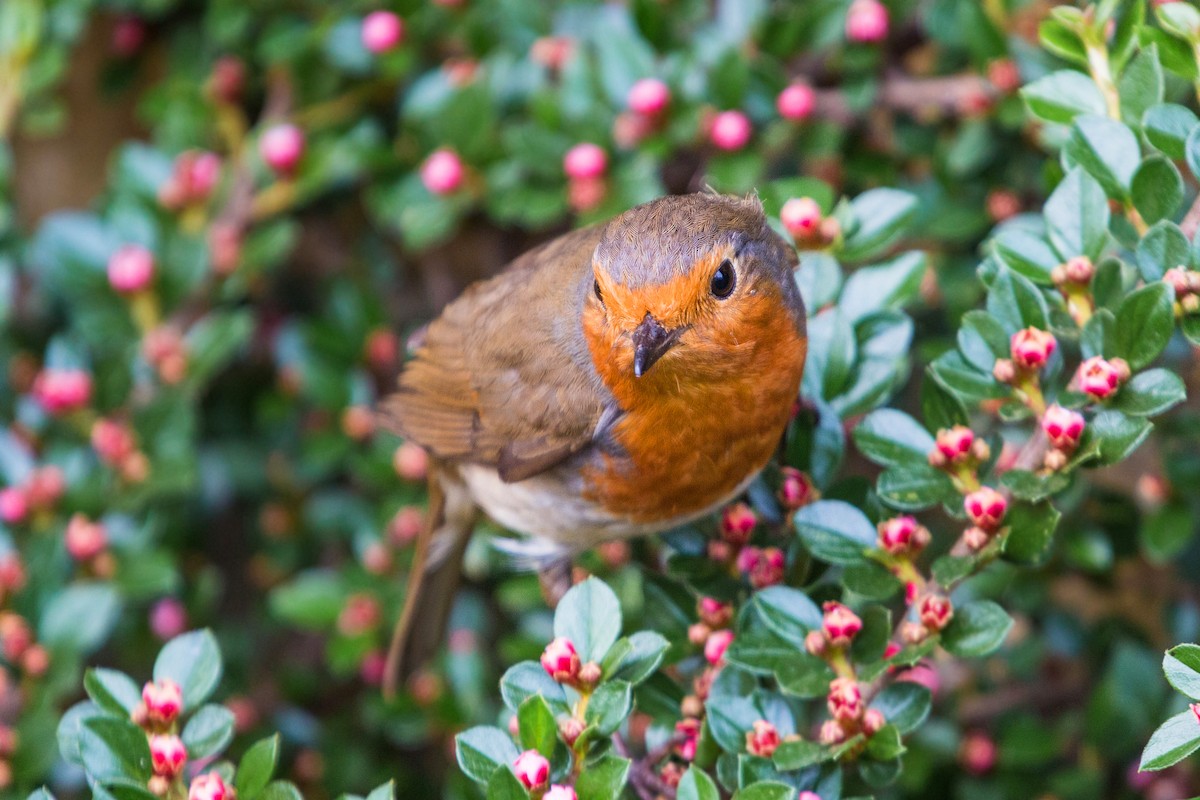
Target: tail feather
433,583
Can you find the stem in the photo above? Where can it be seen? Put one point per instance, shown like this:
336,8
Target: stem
1030,393
1136,220
1097,56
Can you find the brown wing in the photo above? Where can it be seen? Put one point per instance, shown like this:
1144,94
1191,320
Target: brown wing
503,376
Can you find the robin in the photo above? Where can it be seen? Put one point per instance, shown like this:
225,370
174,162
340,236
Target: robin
620,380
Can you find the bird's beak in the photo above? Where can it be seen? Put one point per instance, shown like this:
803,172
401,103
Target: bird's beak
651,341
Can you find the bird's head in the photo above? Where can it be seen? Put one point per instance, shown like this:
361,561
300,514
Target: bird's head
691,289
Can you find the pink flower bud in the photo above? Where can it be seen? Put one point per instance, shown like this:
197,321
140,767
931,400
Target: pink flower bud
737,523
381,349
901,535
1032,348
359,615
713,612
801,216
14,505
840,624
45,487
377,558
976,538
228,79
561,661
61,391
648,97
845,699
986,508
15,635
130,269
163,701
923,675
872,721
112,441
935,611
167,755
717,644
768,568
559,792
806,795
168,619
571,728
762,740
442,173
12,573
532,768
866,21
1004,371
816,643
1099,378
406,525
796,102
1063,427
128,35
382,31
1004,74
209,786
411,462
85,539
832,733
1002,204
282,147
954,444
203,173
796,489
585,160
1079,270
1177,279
730,130
372,668
978,753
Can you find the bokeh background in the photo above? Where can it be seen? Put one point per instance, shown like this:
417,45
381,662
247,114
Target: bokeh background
308,199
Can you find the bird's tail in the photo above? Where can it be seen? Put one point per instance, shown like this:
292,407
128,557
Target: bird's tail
433,582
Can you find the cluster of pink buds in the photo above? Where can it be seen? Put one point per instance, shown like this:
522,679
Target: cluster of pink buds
839,626
796,102
19,646
902,536
714,615
796,489
442,173
210,786
193,178
585,166
166,352
37,494
986,509
763,566
809,227
729,130
87,543
762,739
62,391
116,446
1186,283
1100,378
1074,280
849,713
532,770
162,702
957,448
1063,428
1031,349
934,612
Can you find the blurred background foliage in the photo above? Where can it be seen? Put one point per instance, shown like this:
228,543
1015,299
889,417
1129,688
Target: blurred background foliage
255,496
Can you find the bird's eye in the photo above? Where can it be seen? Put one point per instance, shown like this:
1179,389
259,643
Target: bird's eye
596,289
723,280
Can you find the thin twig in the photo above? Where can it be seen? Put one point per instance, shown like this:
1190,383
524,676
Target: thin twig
644,779
898,92
1191,220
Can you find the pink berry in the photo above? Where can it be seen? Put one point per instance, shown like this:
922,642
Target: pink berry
382,31
730,130
796,102
648,97
282,147
867,21
168,619
585,160
130,269
62,390
532,769
442,173
14,505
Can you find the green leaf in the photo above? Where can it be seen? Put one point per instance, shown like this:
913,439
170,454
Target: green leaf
1175,739
799,754
1157,189
1180,19
1031,527
1033,486
885,744
535,721
482,750
280,790
915,488
881,217
1145,322
766,790
903,704
1016,303
1168,127
802,675
982,340
872,640
885,286
80,617
1166,532
603,779
1107,149
1141,85
879,773
504,785
789,612
1181,665
1163,247
949,570
1077,216
112,690
645,653
1026,253
1150,393
589,614
610,705
977,629
214,340
526,679
209,731
1115,435
941,408
312,600
870,580
1061,96
890,438
256,767
1061,40
696,785
114,749
835,531
955,374
385,791
193,661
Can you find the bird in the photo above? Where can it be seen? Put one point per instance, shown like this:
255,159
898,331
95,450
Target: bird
618,381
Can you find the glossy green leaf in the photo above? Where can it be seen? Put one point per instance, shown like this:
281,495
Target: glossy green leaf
193,661
977,629
590,616
835,531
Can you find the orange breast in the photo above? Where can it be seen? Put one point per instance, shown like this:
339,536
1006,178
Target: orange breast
703,419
